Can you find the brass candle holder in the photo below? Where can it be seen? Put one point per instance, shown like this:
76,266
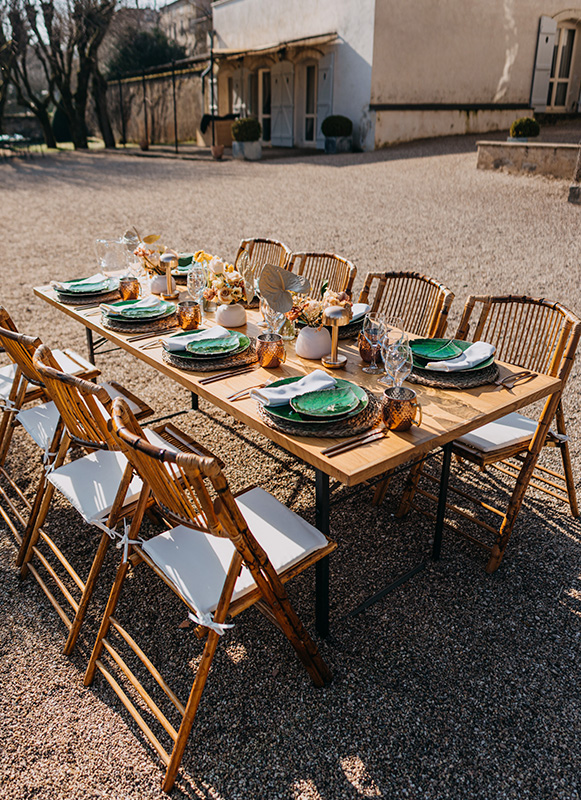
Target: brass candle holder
170,262
335,317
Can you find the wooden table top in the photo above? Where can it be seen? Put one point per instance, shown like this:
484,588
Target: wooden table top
447,414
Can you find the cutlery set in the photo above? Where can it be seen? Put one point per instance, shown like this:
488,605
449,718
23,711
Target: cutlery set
510,381
356,441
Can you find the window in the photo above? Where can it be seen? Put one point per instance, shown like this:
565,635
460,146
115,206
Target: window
561,68
264,99
310,102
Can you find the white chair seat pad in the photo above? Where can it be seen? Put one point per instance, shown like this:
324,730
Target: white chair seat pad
66,363
90,483
40,423
7,374
196,563
510,430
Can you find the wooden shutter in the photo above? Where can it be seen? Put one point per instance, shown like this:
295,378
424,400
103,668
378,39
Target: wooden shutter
324,95
543,61
282,104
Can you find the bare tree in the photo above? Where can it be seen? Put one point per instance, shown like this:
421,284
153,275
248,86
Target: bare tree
6,58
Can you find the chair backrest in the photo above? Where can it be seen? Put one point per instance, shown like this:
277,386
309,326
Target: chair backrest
19,347
191,490
321,267
421,302
533,334
84,406
263,251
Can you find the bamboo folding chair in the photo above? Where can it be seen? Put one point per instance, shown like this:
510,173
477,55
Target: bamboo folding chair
539,336
100,485
321,267
224,555
421,303
263,251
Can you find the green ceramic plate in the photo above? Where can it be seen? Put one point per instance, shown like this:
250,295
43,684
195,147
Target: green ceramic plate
437,349
241,343
125,312
420,363
327,403
74,287
287,412
213,347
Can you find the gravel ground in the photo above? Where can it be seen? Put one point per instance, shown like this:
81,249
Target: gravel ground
458,684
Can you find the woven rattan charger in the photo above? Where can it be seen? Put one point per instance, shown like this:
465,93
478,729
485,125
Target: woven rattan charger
190,364
454,380
351,426
82,299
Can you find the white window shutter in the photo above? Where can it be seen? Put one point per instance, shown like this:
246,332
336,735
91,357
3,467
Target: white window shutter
543,61
324,95
282,104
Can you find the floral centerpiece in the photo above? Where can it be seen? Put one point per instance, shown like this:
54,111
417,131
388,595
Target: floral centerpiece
309,312
225,287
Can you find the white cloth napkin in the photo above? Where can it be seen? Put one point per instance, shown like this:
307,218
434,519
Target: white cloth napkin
97,278
474,355
359,310
146,303
280,395
177,343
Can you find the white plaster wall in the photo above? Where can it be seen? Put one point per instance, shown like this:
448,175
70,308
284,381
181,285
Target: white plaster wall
247,24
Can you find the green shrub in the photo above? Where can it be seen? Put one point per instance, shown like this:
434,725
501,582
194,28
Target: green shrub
247,129
525,127
337,125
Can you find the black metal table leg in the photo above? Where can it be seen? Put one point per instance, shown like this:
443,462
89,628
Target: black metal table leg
194,401
442,498
322,566
90,345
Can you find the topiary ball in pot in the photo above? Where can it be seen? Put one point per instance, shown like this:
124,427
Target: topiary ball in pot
246,133
337,131
524,128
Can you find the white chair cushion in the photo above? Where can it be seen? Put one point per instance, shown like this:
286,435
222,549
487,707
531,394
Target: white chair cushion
196,563
40,422
64,360
512,429
90,483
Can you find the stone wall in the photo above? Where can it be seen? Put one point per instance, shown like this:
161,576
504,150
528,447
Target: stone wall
556,160
128,96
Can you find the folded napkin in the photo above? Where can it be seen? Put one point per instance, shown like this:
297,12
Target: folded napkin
474,355
72,285
359,310
176,343
281,395
130,308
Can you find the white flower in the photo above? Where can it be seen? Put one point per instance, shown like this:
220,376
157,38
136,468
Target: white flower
225,295
217,265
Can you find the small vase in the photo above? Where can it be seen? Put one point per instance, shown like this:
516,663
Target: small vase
231,316
313,343
159,284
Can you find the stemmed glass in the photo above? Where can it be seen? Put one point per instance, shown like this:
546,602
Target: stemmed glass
274,319
373,330
397,358
197,280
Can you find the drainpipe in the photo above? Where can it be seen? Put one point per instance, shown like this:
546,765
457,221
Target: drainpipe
212,85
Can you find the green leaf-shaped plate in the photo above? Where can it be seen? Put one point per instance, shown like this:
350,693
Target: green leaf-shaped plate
77,287
327,403
420,362
241,343
286,412
124,310
437,349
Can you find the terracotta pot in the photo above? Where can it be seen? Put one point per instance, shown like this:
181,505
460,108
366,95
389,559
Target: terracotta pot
217,151
231,316
313,343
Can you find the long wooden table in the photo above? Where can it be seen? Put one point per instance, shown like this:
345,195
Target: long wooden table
446,416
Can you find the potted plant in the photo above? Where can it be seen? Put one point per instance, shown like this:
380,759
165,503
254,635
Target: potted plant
246,133
337,131
523,129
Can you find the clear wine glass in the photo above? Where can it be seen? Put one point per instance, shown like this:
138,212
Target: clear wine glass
404,370
373,330
274,319
196,281
393,356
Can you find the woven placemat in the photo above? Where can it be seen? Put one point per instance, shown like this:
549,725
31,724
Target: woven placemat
212,364
361,422
139,327
87,299
454,380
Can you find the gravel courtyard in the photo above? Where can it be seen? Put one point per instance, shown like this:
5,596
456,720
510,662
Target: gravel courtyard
458,684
